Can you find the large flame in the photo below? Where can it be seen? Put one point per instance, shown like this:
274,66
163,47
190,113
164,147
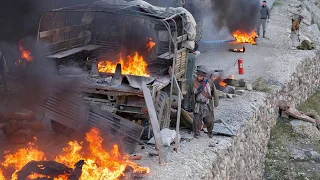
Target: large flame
244,37
21,157
99,163
133,65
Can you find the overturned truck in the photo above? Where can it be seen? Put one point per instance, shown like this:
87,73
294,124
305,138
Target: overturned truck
118,48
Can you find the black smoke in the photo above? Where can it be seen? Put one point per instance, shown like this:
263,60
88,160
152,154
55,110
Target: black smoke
236,14
20,18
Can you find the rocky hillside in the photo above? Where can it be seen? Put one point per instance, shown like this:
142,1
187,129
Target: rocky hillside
310,9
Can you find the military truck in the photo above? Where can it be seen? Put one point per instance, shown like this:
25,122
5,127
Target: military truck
87,36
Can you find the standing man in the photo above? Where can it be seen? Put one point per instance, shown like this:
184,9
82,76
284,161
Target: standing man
295,35
204,99
264,18
3,71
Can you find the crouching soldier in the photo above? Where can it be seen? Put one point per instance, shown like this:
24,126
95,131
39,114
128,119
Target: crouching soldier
204,98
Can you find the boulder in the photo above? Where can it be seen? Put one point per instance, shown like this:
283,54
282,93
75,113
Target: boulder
249,87
314,29
314,11
307,16
305,129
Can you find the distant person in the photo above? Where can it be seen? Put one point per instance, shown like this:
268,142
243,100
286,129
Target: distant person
204,98
264,18
3,71
295,28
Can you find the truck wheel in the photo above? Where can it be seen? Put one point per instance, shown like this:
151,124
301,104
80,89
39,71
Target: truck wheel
161,105
60,128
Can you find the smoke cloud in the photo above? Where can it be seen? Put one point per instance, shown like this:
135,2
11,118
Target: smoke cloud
236,14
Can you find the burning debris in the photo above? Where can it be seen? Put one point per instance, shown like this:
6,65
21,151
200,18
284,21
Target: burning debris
150,44
25,55
244,37
228,87
92,162
133,65
242,50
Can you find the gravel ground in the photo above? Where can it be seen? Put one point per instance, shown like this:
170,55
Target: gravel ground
272,59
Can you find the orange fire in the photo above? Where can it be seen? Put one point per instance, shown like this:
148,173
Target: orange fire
99,163
150,44
1,175
25,54
134,65
244,37
222,84
21,157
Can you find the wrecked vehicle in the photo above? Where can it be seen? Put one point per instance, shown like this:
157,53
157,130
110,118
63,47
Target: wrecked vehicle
119,47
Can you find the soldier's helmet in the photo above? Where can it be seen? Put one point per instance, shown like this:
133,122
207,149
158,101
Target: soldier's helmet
202,70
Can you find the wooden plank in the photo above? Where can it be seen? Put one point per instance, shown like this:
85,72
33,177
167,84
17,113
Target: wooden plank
155,125
167,56
53,32
64,45
182,38
73,51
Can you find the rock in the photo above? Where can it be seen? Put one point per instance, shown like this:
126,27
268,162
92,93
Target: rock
307,16
239,92
229,96
305,129
312,155
298,155
249,87
314,11
222,94
295,4
314,29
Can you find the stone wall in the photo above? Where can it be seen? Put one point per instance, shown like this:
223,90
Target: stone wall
246,157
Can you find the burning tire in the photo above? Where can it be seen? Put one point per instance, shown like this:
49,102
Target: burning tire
60,128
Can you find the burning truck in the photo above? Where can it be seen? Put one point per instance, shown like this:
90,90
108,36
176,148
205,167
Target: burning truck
119,47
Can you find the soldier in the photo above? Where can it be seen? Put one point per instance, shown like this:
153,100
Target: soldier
264,18
295,31
3,71
204,99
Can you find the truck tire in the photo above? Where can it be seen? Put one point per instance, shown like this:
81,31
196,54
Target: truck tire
60,128
161,106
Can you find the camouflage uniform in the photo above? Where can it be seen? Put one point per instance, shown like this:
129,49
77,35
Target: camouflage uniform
204,105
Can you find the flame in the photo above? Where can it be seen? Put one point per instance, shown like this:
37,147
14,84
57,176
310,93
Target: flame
222,84
25,54
20,158
99,163
150,44
238,50
134,65
1,175
244,37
